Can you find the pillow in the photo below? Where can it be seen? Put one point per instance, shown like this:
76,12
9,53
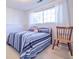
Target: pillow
33,29
45,30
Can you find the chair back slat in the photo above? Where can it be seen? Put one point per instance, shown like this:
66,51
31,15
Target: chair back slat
64,32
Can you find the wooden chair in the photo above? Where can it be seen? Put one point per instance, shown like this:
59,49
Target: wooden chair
64,36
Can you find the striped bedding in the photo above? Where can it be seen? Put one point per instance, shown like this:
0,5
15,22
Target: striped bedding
28,43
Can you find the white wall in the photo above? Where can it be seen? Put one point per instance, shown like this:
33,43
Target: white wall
15,20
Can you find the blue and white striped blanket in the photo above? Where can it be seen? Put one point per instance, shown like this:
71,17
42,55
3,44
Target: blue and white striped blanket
24,41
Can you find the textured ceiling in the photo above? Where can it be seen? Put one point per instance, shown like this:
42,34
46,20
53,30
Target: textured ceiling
25,4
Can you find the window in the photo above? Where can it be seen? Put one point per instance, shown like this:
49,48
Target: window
36,18
49,15
46,16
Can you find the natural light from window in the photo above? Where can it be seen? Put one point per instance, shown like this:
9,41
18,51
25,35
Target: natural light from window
46,16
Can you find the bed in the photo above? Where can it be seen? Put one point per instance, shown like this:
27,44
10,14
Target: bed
29,43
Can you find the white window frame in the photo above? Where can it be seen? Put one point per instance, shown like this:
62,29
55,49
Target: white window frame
42,17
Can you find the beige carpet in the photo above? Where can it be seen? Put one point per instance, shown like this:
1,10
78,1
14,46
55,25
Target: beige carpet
11,53
60,52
